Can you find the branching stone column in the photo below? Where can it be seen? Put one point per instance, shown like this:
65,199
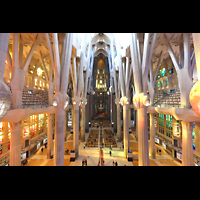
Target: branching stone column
76,103
4,39
59,101
140,103
15,144
49,136
125,103
187,145
83,103
152,136
196,39
119,133
184,72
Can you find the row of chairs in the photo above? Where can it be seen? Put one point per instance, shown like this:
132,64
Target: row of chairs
92,140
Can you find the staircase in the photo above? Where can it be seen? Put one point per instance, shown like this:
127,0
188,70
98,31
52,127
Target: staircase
172,98
33,97
37,98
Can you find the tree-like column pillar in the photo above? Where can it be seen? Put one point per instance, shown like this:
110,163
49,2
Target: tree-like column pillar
141,102
60,101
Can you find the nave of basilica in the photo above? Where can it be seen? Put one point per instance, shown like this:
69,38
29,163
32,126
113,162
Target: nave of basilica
99,99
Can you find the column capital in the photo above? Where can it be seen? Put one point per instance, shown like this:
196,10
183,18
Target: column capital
60,100
76,100
83,101
140,101
117,101
124,101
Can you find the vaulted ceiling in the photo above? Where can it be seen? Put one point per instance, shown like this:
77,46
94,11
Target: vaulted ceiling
100,45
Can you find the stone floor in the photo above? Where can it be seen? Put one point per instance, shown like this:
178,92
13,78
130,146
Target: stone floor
92,156
161,160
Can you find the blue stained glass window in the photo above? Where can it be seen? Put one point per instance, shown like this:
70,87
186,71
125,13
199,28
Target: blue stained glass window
193,135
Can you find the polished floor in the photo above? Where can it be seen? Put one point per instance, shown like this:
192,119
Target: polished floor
92,156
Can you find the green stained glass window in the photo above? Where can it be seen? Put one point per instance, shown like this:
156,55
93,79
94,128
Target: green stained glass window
161,83
162,72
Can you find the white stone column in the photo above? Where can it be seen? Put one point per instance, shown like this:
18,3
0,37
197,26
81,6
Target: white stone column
87,115
139,102
15,144
126,128
143,146
17,84
49,136
4,39
152,136
83,103
59,101
119,134
83,124
76,129
196,39
129,117
187,145
59,136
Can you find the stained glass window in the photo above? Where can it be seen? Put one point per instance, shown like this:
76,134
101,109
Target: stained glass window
193,135
162,72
